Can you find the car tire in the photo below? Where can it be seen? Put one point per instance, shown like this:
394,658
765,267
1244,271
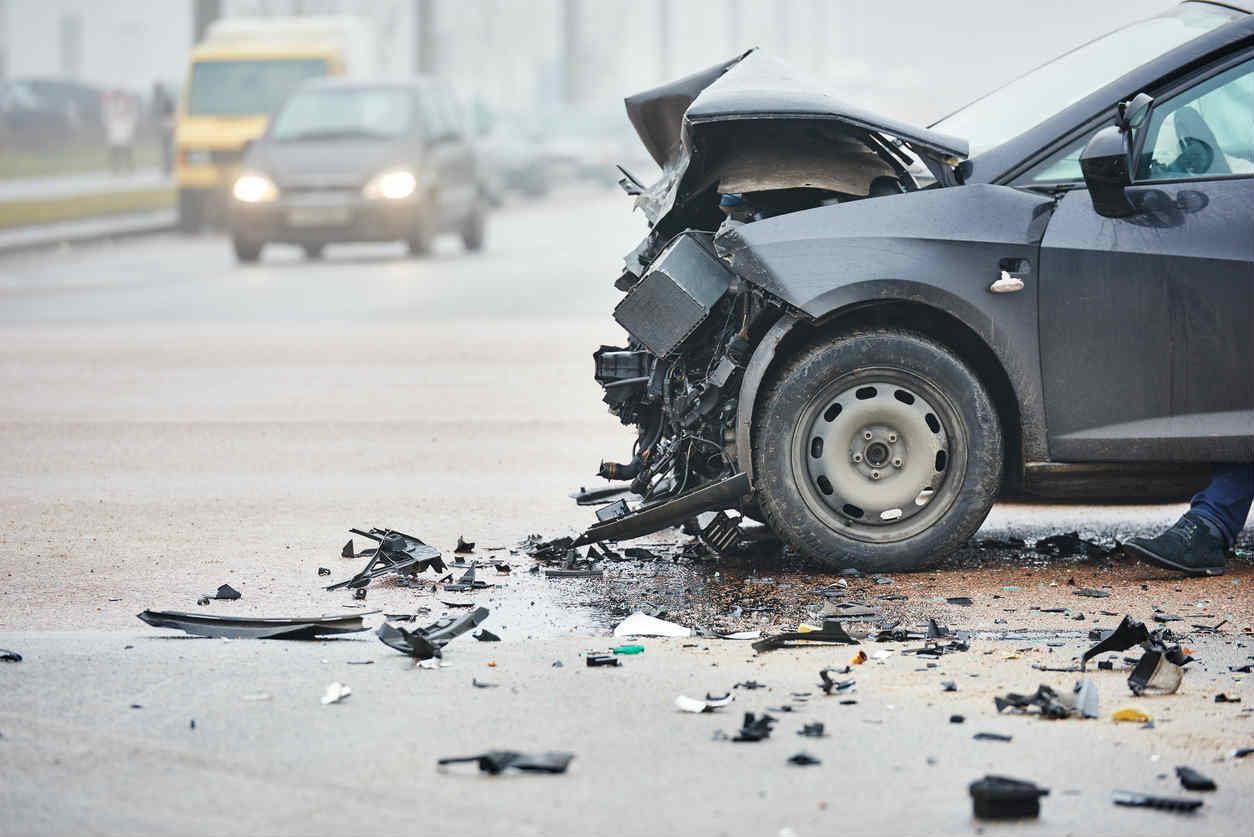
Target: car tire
191,211
419,238
474,231
246,251
313,252
879,450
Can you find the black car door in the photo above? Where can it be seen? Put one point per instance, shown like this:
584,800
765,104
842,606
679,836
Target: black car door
1147,351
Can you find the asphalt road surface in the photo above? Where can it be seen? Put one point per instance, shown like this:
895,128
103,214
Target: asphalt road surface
171,421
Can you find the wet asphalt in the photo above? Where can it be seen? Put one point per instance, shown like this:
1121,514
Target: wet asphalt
171,421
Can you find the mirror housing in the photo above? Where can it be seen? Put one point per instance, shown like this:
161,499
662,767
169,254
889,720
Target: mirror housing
1107,165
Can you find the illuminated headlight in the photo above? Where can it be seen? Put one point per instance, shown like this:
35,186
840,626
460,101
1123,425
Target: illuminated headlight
254,188
391,185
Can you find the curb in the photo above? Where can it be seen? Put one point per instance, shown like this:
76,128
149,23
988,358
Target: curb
86,231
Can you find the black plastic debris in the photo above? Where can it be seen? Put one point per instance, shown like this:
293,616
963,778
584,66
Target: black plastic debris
1090,592
396,553
478,685
956,719
832,632
1133,799
238,627
7,656
1130,633
804,760
1242,752
1044,698
814,730
1245,669
750,684
1222,698
463,546
961,601
428,642
755,728
1069,545
1164,618
1194,781
721,533
226,593
457,604
347,550
503,569
360,594
830,686
324,571
849,610
498,761
937,631
991,736
1003,798
602,660
484,635
613,511
467,582
949,686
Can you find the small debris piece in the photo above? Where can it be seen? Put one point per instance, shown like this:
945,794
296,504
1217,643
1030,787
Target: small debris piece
335,693
1222,698
463,546
396,553
227,593
859,658
427,643
831,632
478,685
1090,592
830,686
628,649
956,719
755,728
804,760
1245,669
961,601
600,660
1162,803
814,730
498,761
949,686
255,697
203,601
1069,544
557,664
1045,699
457,604
484,635
237,627
1157,673
467,582
361,662
1002,798
1130,713
502,569
7,656
360,594
590,573
750,685
710,703
991,736
324,571
639,624
1242,752
1194,781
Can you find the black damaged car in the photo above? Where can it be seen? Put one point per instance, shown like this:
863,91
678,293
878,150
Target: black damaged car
862,332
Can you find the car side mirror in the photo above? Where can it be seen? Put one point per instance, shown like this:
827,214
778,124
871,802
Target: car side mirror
1107,165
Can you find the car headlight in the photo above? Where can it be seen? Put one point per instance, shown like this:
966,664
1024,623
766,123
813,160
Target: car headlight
254,188
391,185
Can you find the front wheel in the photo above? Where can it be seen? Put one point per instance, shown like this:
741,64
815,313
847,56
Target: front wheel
879,450
474,231
246,251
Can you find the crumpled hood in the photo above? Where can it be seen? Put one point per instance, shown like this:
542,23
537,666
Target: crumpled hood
671,119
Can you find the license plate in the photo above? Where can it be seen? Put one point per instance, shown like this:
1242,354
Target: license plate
318,216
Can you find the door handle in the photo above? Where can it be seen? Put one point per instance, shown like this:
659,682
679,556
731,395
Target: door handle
1011,275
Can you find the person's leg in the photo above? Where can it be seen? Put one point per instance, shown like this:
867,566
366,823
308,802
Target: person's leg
1197,543
1226,501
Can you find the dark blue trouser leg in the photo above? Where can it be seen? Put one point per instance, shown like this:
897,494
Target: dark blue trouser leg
1226,501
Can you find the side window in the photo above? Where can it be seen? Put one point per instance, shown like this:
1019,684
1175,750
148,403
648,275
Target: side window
1205,130
1062,167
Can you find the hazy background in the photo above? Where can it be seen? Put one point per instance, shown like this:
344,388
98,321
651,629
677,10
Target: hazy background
913,60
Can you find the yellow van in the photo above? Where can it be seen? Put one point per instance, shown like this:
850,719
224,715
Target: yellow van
237,77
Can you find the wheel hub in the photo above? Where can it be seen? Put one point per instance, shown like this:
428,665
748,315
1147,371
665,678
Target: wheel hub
876,453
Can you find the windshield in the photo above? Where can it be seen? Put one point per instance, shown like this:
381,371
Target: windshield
246,88
1032,98
377,112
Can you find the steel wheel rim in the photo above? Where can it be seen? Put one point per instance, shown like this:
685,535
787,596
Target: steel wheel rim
894,484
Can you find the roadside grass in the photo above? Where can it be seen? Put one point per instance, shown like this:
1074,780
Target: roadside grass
15,163
73,207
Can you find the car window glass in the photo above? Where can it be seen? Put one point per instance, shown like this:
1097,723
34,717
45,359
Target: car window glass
246,88
1206,130
380,112
1062,167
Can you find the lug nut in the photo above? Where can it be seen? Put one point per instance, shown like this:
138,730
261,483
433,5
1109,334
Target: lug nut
857,457
875,475
897,462
866,434
892,437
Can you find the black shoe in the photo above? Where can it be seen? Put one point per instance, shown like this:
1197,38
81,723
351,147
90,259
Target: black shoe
1192,546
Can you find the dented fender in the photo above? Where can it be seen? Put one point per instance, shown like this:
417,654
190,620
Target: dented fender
940,248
